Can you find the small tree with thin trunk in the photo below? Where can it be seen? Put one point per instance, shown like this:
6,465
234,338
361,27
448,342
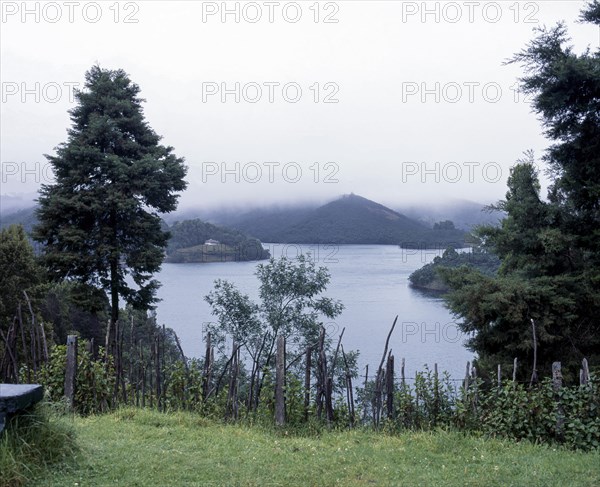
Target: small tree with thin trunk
292,305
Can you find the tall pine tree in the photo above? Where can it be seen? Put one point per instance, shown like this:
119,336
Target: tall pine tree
550,251
99,222
565,88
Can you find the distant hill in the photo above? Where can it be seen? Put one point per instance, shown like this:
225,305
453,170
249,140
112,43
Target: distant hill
25,217
13,202
350,219
266,223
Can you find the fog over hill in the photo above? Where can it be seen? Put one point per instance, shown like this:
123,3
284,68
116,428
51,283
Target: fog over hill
464,213
299,222
350,219
12,202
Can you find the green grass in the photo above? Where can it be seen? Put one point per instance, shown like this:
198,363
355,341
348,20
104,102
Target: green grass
31,443
135,447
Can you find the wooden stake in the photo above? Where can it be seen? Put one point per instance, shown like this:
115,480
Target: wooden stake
71,371
377,401
586,372
207,368
534,376
436,393
515,370
402,374
557,385
280,382
349,390
307,383
365,391
389,386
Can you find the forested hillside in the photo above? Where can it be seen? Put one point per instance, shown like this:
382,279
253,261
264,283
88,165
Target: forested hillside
350,219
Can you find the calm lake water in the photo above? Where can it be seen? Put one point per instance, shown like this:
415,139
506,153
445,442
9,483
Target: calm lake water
370,280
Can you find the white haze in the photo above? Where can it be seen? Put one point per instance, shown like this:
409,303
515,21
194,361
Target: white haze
368,135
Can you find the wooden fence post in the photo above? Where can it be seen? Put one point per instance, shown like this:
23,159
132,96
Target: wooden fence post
515,370
365,392
584,375
349,390
207,368
157,366
476,388
436,393
377,399
232,395
560,413
389,386
402,375
280,382
534,375
320,397
71,371
467,377
307,383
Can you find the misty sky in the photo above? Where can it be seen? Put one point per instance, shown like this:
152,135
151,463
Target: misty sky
375,61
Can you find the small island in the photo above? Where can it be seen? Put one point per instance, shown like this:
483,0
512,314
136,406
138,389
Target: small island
428,277
196,241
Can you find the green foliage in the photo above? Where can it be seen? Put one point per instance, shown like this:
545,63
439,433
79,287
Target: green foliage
517,412
291,298
32,442
99,221
291,305
184,389
74,308
237,316
94,383
539,414
18,272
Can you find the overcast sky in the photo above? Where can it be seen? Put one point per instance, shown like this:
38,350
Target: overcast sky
400,102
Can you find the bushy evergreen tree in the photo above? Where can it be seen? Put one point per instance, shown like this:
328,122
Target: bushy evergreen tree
99,221
550,251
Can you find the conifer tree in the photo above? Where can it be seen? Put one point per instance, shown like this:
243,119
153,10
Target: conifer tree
550,250
100,220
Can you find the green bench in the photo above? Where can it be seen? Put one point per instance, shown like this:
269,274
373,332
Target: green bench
15,397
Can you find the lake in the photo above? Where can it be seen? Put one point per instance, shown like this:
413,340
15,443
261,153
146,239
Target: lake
370,280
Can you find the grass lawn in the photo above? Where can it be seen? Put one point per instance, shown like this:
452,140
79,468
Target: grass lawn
135,447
